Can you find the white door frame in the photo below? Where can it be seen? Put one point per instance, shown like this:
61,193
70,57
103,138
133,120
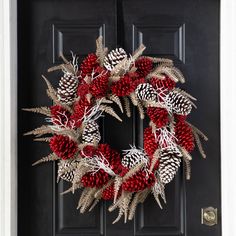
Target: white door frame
8,116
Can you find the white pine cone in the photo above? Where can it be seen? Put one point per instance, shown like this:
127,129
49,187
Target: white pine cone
114,57
169,162
134,157
67,89
66,169
146,92
91,133
178,103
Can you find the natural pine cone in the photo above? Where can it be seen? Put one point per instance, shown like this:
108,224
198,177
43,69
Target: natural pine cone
134,157
144,66
159,116
149,141
179,103
166,83
66,92
184,135
169,162
66,169
146,92
97,179
91,133
63,146
89,64
123,87
114,58
139,182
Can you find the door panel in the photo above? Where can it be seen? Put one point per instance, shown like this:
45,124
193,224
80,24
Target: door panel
185,31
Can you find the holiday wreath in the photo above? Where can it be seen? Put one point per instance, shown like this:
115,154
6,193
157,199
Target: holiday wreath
88,91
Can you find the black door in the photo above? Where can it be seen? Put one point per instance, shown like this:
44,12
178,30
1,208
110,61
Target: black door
184,30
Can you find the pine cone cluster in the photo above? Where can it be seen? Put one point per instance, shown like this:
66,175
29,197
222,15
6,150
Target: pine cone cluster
144,66
169,162
146,92
66,92
179,103
63,146
159,116
166,83
91,133
89,64
139,182
123,87
149,141
114,58
184,135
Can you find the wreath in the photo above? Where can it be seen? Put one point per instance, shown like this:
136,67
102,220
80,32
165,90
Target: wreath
84,94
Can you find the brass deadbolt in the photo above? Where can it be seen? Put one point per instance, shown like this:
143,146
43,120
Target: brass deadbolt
209,216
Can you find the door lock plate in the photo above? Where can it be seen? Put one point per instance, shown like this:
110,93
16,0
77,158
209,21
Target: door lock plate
209,216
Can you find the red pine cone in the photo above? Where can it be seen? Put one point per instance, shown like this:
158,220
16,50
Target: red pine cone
88,151
137,82
60,115
159,116
95,180
80,107
184,135
180,117
139,182
144,66
88,64
112,156
150,144
82,89
123,87
99,86
63,146
166,83
108,193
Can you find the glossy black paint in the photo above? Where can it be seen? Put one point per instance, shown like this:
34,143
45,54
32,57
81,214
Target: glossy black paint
184,30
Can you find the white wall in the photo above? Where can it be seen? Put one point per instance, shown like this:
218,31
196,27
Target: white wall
8,81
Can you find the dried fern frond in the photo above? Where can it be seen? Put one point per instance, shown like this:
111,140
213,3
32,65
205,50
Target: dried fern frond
44,129
45,139
82,197
116,100
117,185
72,189
185,153
140,110
187,167
134,99
127,106
198,131
41,110
184,93
154,160
114,78
50,157
101,51
109,110
87,200
138,52
133,205
162,61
